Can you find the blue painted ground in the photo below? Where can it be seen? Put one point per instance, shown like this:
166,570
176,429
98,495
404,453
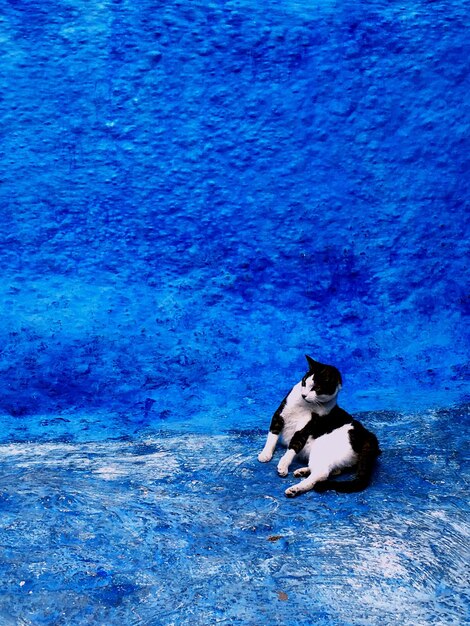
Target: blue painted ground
193,195
169,529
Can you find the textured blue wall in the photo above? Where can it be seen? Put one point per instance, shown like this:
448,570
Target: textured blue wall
194,195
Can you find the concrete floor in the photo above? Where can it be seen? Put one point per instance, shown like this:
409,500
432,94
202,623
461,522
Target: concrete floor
177,529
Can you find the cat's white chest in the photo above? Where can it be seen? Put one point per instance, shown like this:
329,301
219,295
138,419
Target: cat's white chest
296,414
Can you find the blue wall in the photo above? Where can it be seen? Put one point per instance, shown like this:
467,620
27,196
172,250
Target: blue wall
194,195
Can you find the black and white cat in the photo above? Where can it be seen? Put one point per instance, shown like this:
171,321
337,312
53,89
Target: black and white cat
316,430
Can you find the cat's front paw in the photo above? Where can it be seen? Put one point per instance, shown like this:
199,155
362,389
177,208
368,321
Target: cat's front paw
292,492
264,457
282,469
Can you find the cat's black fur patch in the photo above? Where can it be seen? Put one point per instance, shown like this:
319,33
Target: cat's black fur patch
319,388
366,446
277,421
327,377
359,436
320,425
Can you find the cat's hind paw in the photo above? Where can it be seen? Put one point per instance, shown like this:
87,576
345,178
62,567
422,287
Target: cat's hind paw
292,492
302,471
264,457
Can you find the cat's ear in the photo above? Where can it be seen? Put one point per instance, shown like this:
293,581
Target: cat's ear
312,364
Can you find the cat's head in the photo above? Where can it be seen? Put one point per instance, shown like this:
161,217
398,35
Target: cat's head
321,383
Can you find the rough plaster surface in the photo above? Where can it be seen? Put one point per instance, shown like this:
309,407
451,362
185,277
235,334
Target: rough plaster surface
171,529
195,192
193,195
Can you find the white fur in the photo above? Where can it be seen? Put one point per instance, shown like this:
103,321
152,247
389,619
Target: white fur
296,414
286,460
301,472
327,454
267,452
321,403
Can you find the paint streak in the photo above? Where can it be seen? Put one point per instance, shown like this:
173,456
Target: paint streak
192,197
151,531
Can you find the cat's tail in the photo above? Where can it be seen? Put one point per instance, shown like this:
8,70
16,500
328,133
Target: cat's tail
341,486
365,465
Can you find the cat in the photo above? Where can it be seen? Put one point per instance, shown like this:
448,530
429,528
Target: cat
315,429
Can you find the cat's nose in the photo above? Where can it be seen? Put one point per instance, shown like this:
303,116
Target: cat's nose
304,396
